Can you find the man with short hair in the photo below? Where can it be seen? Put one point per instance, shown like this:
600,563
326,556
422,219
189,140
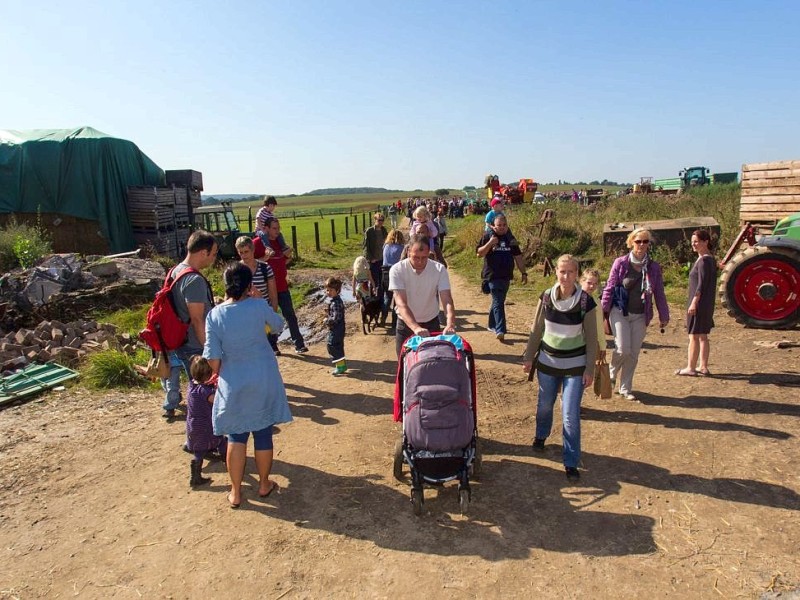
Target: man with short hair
500,251
193,301
418,285
374,238
278,259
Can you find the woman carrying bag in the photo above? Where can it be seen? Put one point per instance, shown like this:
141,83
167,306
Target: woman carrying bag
633,284
563,343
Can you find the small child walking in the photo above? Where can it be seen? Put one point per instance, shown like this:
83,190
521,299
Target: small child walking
335,322
199,428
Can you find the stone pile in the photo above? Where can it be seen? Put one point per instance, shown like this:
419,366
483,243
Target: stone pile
64,343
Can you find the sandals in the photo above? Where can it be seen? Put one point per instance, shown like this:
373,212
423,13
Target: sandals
704,373
686,372
272,489
231,503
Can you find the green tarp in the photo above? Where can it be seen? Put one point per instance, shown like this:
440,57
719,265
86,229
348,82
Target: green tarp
83,173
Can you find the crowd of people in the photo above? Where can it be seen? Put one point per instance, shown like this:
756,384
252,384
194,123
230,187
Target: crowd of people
235,386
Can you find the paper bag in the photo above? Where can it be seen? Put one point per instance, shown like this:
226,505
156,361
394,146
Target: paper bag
159,367
602,379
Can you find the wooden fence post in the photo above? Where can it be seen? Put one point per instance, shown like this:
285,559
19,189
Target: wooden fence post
333,231
355,223
294,241
316,234
250,219
363,220
347,228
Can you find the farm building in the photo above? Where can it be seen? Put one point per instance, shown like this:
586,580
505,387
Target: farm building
74,183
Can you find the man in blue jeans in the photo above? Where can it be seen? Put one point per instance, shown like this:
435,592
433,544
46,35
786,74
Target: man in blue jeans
193,301
278,259
499,250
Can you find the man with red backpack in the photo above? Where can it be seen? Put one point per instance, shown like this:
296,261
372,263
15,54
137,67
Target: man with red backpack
193,300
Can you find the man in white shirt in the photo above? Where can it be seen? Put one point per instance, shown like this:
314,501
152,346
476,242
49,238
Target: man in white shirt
418,285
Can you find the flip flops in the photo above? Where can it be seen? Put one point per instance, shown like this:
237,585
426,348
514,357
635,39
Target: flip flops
704,373
272,489
686,373
231,503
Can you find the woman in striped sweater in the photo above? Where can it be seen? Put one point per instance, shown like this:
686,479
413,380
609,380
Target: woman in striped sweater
563,344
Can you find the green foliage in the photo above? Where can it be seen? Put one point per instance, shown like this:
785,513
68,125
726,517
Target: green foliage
22,245
128,320
112,369
442,192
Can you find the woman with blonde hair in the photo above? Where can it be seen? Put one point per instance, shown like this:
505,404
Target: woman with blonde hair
562,348
634,284
392,253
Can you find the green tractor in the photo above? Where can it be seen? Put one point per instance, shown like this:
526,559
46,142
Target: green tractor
220,220
760,286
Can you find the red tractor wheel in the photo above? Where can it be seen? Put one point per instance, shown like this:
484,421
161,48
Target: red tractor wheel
760,287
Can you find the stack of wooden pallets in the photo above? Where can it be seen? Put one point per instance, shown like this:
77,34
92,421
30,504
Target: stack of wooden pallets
162,217
770,192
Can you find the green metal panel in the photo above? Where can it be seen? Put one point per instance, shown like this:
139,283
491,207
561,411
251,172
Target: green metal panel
32,380
672,183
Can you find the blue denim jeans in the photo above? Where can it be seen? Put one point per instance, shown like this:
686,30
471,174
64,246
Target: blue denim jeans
287,310
375,270
497,312
571,393
179,359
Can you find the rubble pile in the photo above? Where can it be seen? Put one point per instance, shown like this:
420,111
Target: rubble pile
64,343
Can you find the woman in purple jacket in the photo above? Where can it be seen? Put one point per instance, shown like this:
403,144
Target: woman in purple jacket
634,281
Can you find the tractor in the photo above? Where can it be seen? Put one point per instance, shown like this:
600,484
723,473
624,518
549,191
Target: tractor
760,286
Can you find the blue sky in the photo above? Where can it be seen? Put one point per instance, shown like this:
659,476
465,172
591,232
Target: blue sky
285,97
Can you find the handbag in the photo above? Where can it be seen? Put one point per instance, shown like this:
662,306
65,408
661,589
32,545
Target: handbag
159,367
602,379
485,287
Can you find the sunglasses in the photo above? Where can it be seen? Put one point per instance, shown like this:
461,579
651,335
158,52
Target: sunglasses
641,241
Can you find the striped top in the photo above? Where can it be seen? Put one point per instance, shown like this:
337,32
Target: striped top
262,273
566,346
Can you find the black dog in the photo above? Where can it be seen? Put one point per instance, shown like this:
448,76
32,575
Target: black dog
370,313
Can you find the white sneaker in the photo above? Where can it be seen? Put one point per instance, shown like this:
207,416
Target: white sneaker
627,395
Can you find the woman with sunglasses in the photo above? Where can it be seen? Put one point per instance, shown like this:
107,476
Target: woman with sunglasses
634,282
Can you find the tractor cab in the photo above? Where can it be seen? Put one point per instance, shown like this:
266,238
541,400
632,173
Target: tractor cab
220,221
694,176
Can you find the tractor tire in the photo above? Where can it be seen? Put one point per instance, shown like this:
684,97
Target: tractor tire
760,287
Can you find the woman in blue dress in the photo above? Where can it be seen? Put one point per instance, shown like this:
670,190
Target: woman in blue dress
250,396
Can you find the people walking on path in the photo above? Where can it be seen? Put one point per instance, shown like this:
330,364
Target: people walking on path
193,300
700,310
278,259
392,251
500,251
418,285
562,348
374,238
334,319
250,394
634,284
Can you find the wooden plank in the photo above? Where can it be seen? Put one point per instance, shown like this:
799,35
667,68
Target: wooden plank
746,176
768,166
774,199
770,208
772,191
759,195
766,183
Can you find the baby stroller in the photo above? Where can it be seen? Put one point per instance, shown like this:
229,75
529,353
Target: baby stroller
435,400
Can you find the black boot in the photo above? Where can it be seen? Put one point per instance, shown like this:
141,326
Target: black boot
197,478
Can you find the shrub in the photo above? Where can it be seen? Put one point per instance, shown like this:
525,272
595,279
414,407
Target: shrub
22,245
112,369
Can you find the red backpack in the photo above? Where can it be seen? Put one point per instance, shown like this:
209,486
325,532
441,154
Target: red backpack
165,331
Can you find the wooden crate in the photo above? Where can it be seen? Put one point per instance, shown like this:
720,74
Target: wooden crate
770,192
186,178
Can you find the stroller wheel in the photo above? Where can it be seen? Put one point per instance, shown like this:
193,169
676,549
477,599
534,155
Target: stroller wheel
463,501
397,469
417,500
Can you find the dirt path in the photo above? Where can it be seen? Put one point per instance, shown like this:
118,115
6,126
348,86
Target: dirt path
692,491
